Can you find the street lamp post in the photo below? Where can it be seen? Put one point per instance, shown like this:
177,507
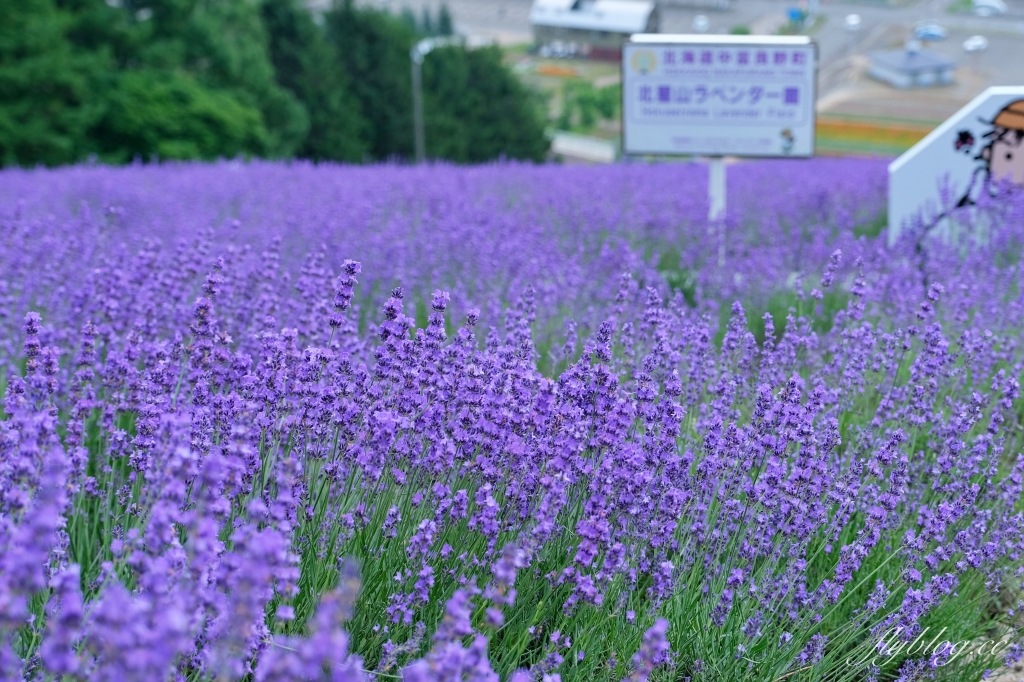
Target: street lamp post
416,55
974,46
852,24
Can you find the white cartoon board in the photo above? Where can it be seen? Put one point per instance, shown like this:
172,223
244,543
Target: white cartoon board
980,149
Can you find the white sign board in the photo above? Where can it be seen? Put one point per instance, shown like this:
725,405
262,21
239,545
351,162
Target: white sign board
971,153
718,95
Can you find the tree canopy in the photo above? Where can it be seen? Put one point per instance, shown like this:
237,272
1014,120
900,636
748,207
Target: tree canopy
46,102
202,79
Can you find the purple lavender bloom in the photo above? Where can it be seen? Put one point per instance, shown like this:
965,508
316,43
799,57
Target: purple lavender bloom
204,416
653,652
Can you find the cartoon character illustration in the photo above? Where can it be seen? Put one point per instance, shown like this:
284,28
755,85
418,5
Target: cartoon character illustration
1002,159
787,140
964,141
1005,154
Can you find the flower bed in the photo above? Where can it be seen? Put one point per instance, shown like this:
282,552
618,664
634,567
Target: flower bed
286,422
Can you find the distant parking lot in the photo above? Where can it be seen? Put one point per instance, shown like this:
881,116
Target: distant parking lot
842,84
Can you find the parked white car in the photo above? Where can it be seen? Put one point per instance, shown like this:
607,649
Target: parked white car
558,50
988,8
976,44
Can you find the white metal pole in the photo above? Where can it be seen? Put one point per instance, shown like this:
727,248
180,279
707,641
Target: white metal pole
716,203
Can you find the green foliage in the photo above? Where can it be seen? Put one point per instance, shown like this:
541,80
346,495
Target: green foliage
46,89
427,23
156,114
445,26
173,79
678,278
871,228
820,314
583,105
307,66
225,45
476,109
199,79
111,31
409,19
222,45
373,48
740,31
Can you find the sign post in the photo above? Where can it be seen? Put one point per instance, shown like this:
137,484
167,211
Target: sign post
717,96
716,203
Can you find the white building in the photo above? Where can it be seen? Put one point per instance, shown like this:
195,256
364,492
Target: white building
911,68
593,28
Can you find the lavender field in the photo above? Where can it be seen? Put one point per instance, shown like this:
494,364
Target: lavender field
285,422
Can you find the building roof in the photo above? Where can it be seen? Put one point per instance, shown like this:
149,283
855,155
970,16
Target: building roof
911,62
616,16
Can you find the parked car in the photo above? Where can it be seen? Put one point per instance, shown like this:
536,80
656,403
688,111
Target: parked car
558,50
988,8
976,44
930,31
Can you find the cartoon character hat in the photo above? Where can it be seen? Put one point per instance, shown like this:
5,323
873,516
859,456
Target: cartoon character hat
1012,116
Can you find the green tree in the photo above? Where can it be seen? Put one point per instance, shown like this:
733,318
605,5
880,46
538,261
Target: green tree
582,103
307,65
47,100
609,101
373,48
445,26
427,23
208,78
110,32
225,44
203,47
476,109
409,19
169,115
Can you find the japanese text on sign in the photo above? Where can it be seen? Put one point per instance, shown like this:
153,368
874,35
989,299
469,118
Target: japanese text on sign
744,100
